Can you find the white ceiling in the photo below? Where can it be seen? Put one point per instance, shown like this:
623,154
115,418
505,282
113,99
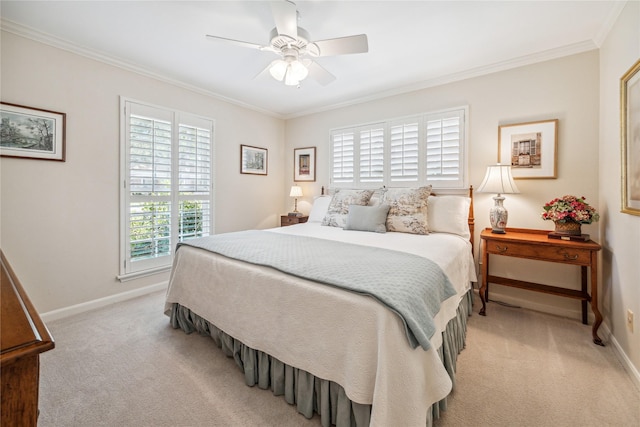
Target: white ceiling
412,44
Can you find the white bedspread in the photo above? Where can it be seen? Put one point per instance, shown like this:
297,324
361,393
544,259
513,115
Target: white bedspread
333,334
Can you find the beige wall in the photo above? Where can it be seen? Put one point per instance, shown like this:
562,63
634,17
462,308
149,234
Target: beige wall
620,232
564,89
60,221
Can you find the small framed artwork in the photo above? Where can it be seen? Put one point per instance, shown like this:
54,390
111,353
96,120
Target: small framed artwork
630,128
31,133
253,160
304,164
530,148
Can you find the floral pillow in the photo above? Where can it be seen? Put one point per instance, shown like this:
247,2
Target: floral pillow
377,196
339,207
407,209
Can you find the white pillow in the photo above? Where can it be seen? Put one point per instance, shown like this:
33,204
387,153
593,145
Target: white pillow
449,214
319,208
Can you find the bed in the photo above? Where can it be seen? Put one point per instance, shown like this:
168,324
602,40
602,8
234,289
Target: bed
350,355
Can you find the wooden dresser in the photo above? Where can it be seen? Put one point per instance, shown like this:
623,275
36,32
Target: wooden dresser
23,336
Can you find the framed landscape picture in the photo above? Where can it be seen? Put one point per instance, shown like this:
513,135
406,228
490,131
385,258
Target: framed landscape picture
630,128
304,164
253,160
530,148
31,133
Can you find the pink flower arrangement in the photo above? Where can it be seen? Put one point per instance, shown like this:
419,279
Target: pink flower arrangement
570,209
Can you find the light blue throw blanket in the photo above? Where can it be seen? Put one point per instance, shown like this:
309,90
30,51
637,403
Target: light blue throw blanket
411,286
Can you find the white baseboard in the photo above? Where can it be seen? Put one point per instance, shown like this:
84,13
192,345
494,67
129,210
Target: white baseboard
604,331
101,302
634,374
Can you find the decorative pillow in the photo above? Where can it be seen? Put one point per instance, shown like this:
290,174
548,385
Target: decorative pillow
339,207
407,209
319,208
377,197
449,214
367,218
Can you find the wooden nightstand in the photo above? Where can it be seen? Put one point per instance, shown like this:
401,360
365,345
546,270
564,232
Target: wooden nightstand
291,220
535,245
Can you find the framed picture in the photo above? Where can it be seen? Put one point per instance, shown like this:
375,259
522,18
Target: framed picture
304,164
31,133
630,128
253,160
530,148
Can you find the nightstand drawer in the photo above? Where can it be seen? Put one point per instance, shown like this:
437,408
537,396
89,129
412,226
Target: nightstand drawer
541,252
291,220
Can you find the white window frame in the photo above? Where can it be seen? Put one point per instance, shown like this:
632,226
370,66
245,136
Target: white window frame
461,182
129,269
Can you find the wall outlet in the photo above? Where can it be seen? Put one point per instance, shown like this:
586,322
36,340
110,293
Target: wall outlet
630,320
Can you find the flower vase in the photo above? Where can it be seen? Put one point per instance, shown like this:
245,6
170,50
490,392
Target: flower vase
568,228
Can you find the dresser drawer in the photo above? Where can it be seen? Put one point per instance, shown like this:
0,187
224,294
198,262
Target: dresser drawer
541,252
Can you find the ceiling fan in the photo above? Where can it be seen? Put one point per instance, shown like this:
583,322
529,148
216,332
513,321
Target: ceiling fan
295,48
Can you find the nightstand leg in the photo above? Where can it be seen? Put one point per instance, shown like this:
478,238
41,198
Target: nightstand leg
485,285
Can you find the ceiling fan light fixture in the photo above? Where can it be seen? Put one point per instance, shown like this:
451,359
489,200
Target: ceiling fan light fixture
278,69
296,71
291,71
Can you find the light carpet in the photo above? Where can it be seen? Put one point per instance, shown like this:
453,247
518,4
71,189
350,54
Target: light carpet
124,365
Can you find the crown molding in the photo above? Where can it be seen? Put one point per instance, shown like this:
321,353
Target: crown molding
547,55
48,39
522,61
608,24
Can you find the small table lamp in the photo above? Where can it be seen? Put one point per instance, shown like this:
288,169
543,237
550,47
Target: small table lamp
498,180
296,192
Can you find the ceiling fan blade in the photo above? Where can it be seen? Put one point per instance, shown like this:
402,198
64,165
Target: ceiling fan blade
286,18
319,73
342,45
236,42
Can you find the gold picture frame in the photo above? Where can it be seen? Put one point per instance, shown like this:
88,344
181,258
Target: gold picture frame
530,148
304,164
630,132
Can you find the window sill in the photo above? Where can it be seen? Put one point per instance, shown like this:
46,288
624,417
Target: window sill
144,273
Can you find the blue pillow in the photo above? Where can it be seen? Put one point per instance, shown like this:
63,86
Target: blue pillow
367,218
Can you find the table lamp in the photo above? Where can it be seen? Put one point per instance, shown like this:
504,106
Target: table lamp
296,192
498,180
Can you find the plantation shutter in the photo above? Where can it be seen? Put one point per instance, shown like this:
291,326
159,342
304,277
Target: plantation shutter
444,154
429,148
149,183
372,154
194,177
343,157
167,182
404,142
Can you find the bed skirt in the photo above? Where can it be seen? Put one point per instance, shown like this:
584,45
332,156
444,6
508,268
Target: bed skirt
310,394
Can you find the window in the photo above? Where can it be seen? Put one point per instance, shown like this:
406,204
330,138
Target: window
167,181
424,149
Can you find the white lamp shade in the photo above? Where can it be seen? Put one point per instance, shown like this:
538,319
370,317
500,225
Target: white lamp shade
498,179
278,69
291,71
296,191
